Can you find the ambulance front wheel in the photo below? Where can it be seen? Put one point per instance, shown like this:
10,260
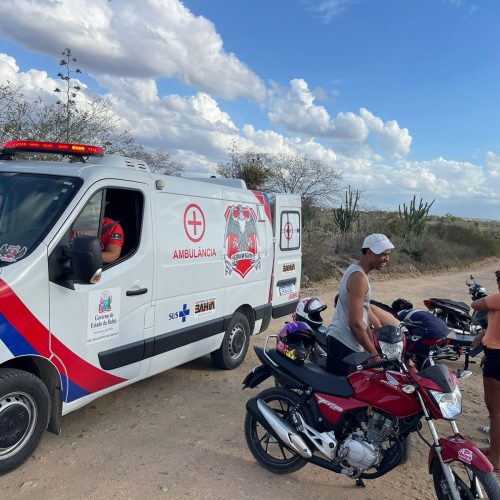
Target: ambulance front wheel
234,347
24,415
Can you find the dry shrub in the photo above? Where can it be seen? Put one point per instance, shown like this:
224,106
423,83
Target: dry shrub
448,242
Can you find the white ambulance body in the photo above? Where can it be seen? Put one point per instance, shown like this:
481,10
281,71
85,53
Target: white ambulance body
203,266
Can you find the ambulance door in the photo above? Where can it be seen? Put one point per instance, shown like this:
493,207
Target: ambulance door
287,254
98,329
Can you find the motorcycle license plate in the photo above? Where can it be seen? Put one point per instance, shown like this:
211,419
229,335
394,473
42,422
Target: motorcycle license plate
287,289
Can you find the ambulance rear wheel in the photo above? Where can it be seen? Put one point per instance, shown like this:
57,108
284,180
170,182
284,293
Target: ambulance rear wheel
24,415
234,347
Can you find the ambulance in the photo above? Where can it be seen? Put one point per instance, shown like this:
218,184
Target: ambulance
203,265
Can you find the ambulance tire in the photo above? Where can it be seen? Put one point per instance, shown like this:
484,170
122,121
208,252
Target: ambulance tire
24,416
234,347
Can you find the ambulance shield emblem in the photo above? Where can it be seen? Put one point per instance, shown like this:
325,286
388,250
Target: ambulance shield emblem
241,252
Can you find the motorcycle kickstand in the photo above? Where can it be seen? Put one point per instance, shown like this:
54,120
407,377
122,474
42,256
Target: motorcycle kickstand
360,482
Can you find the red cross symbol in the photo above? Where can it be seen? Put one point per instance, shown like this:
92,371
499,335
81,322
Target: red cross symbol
194,222
288,230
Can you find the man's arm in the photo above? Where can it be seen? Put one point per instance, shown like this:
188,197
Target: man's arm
479,305
357,288
111,253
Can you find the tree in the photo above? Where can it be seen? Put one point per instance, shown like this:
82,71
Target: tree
83,120
314,180
95,123
159,161
71,90
249,166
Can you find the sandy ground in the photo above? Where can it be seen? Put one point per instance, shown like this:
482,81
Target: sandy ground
180,434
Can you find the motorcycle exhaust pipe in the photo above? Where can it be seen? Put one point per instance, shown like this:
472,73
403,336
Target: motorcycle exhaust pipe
274,423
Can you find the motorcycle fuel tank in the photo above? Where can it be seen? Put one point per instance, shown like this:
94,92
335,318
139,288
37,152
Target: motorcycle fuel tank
384,390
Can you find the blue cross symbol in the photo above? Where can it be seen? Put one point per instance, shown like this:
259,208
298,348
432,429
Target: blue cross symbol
184,313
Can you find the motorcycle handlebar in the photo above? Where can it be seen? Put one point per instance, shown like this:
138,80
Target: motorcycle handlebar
385,364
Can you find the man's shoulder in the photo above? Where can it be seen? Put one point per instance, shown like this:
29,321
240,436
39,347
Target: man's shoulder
110,224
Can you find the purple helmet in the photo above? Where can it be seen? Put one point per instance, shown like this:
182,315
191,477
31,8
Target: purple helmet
295,340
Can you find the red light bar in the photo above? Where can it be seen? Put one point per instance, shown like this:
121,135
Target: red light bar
52,147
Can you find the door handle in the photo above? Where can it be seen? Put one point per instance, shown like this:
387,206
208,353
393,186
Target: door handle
138,291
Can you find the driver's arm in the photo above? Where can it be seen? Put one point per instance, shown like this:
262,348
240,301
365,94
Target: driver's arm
111,253
357,288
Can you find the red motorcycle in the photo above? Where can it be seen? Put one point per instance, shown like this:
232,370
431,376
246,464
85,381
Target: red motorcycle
358,425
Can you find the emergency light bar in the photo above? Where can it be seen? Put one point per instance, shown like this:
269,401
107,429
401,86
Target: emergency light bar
13,147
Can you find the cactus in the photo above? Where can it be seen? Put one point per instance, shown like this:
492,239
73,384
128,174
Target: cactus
345,217
414,220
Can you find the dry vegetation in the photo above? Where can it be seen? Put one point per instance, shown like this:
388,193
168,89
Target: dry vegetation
447,242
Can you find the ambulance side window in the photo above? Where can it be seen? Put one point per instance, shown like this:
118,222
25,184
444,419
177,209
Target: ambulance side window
124,207
115,217
290,231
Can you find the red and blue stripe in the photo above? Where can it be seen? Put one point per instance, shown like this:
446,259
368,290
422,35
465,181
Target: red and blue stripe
24,335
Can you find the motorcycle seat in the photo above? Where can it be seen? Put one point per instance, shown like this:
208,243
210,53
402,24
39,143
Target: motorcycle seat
452,304
320,335
314,376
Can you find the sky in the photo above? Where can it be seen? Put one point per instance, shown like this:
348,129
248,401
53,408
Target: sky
402,96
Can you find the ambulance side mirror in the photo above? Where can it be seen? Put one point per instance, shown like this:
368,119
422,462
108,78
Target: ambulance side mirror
79,263
86,259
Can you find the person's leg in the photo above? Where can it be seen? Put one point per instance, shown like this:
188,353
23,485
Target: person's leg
336,352
492,400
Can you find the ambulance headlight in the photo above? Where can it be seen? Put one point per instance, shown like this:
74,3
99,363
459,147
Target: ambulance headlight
450,403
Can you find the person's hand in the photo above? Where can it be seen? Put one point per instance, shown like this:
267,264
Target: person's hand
483,359
375,359
477,340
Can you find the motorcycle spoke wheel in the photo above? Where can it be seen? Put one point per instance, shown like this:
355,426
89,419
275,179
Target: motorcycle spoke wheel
470,483
267,449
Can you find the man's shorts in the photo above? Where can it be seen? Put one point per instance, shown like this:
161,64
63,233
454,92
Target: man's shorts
491,368
336,352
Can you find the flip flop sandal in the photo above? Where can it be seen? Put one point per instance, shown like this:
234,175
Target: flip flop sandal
486,440
484,429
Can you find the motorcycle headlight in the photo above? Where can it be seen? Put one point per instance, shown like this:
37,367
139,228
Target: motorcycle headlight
392,351
450,403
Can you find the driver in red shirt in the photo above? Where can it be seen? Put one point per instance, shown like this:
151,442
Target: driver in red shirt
112,239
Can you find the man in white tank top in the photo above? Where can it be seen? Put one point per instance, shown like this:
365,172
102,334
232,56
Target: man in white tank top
348,331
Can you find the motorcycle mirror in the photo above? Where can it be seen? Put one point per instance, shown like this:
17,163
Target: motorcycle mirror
415,338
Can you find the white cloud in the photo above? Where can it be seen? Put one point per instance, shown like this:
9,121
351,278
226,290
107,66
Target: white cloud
296,111
493,164
198,133
396,141
134,38
439,178
32,82
328,9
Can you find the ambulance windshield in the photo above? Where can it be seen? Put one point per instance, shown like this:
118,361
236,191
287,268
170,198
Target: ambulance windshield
29,206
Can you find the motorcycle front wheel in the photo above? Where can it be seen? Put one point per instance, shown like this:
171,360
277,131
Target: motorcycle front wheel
471,483
266,449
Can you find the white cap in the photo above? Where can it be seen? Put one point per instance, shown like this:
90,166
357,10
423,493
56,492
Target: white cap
377,243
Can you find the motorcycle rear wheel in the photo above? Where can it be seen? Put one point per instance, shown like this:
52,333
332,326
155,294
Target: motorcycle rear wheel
465,479
265,448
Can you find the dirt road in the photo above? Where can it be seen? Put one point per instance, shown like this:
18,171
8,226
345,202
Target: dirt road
180,434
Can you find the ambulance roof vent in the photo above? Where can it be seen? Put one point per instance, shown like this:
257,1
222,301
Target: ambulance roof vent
136,164
235,183
113,160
